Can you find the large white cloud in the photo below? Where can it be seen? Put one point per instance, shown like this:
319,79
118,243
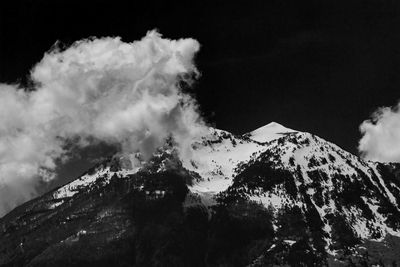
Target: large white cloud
381,135
96,90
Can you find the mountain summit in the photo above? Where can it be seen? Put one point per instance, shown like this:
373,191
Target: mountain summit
269,132
274,196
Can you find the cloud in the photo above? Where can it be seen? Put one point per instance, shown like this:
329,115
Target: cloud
381,135
105,90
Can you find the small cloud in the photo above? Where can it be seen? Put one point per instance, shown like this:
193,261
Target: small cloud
381,135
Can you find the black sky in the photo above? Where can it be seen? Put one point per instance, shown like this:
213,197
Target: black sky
316,66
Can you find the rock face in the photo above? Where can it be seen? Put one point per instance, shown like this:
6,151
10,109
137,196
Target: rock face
271,197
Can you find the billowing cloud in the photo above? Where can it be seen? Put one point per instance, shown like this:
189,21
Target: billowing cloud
381,135
105,90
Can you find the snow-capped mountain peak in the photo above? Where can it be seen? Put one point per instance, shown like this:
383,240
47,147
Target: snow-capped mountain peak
218,154
269,132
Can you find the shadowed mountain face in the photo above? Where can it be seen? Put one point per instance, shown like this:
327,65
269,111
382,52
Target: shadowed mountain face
274,196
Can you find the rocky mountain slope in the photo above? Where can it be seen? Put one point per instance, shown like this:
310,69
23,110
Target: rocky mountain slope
271,197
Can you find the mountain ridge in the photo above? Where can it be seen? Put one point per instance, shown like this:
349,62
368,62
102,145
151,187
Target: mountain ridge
345,208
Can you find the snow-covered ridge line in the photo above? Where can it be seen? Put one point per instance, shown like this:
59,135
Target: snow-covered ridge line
69,190
88,180
215,158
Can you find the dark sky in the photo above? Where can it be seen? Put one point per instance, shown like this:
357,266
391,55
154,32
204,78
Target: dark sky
316,66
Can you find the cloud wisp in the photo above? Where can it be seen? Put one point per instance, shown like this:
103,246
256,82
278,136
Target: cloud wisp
104,89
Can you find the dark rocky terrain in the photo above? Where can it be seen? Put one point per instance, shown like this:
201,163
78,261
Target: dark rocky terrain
273,197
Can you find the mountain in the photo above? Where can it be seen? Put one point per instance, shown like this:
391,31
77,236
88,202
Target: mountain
271,197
